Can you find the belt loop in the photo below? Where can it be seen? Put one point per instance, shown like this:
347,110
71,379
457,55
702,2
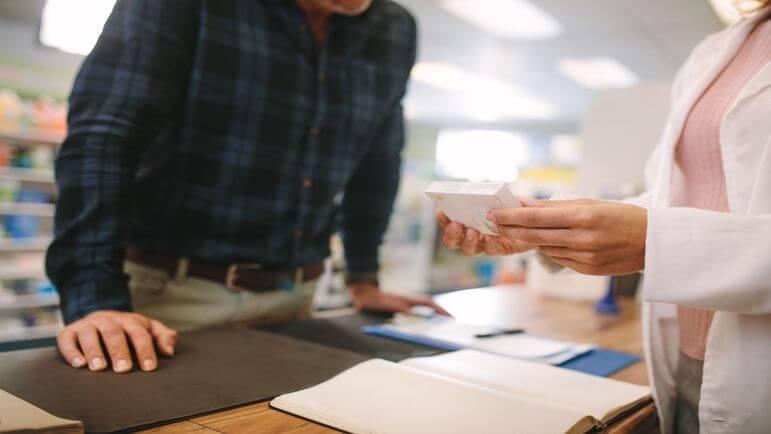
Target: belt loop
182,266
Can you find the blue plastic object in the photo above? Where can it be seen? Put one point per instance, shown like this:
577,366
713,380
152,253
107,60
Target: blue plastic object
601,362
607,304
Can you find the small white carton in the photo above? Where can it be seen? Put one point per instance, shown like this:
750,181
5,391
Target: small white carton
469,202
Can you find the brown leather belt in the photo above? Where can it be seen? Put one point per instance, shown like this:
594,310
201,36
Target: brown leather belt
236,277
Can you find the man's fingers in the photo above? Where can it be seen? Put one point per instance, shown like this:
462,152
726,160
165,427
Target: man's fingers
471,242
165,338
442,219
439,309
493,246
67,341
88,339
428,303
453,235
142,342
115,342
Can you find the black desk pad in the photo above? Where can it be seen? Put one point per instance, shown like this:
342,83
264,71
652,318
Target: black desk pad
212,370
344,332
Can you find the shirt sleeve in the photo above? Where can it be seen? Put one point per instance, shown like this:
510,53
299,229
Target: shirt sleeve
371,191
123,96
369,197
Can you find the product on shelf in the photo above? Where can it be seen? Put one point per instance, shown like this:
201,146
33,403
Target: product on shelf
5,154
9,189
10,110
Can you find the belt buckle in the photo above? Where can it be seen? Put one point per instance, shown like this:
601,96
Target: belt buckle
232,274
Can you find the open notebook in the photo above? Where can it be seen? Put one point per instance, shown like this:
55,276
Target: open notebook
461,392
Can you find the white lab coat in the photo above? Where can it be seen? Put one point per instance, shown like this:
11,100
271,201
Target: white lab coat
711,260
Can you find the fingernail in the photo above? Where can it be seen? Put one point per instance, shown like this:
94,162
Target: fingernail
122,365
78,362
97,363
471,234
148,364
491,217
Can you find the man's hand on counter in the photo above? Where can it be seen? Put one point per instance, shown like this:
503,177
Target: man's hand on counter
82,342
368,297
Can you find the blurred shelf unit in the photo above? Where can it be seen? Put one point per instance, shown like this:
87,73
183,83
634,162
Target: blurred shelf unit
37,244
42,176
11,272
26,138
28,301
16,334
29,307
27,208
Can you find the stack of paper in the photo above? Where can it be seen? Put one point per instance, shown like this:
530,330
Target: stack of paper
446,333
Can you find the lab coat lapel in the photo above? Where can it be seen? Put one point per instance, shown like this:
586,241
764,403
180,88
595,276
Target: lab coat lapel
704,70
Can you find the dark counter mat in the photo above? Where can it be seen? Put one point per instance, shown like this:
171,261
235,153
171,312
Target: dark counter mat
211,370
344,332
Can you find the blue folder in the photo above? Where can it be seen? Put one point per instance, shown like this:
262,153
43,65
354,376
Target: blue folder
600,361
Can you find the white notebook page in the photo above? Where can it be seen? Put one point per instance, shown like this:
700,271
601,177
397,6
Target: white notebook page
587,394
383,397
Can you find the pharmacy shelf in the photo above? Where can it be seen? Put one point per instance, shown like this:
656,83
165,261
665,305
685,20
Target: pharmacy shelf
28,301
24,245
11,273
27,208
28,333
41,176
31,138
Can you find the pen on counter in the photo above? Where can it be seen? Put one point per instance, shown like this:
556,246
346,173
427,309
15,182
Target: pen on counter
499,333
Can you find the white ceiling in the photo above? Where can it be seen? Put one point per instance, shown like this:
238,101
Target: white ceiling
650,37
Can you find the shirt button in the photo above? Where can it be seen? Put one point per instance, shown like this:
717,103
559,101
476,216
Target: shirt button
315,131
307,183
298,233
322,77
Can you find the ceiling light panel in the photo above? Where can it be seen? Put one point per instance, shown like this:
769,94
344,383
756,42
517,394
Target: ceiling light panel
73,25
482,97
598,73
513,19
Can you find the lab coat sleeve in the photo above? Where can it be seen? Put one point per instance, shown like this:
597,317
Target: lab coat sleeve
708,260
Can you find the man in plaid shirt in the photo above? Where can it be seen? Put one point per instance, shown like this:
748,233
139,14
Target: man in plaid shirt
213,148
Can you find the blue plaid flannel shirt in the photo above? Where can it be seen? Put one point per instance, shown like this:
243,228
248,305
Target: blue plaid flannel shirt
219,130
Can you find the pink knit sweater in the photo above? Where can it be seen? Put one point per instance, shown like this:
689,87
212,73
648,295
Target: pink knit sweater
699,157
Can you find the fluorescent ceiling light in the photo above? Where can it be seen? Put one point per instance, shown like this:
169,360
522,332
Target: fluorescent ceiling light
598,73
73,25
514,19
480,155
482,97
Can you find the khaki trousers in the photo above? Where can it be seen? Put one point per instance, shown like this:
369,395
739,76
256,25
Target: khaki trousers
188,303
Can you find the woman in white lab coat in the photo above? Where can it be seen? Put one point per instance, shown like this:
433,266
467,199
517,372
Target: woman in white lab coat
701,234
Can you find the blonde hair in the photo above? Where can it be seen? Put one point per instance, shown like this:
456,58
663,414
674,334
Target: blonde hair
751,5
